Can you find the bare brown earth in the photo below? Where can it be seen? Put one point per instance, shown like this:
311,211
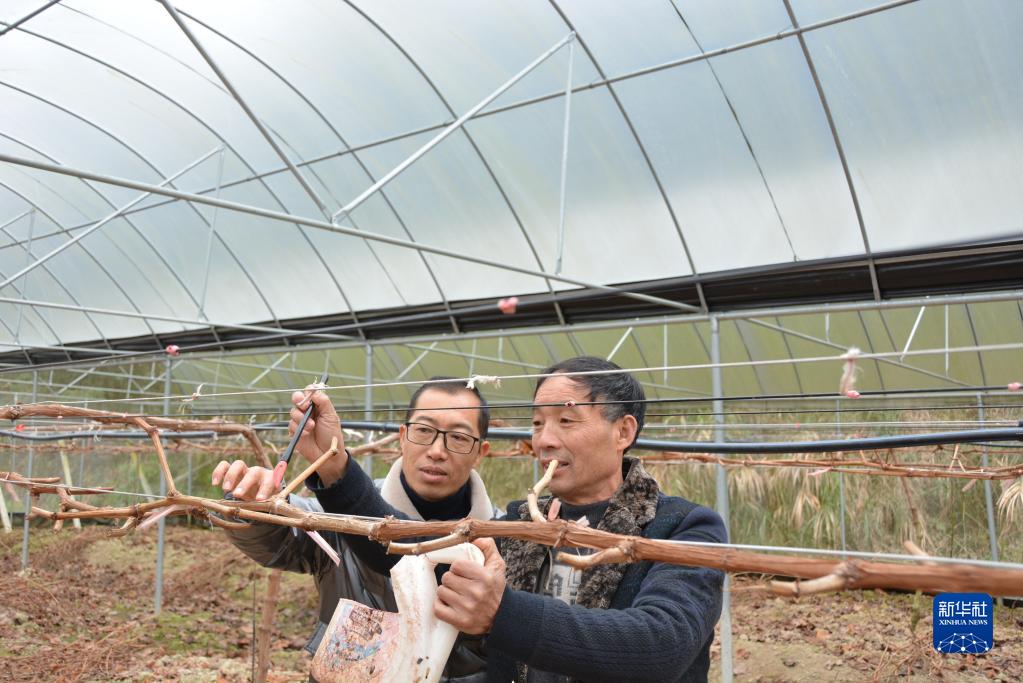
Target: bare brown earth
84,612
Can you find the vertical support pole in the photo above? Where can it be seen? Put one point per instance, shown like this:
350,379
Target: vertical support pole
209,238
841,479
5,514
992,531
564,160
28,261
266,624
367,460
721,504
28,473
5,517
946,340
664,338
66,466
161,525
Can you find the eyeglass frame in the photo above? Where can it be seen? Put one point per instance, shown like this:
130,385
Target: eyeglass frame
438,432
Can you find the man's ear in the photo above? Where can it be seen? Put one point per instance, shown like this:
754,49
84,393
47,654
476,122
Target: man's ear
401,438
625,433
484,449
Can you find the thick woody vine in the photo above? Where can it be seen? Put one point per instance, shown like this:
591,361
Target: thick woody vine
812,575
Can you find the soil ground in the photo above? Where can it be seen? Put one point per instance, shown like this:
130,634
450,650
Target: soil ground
84,612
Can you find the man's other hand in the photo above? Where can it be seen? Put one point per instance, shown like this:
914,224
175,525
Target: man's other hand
470,594
244,482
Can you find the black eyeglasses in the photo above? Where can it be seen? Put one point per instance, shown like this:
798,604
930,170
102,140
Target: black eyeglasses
425,435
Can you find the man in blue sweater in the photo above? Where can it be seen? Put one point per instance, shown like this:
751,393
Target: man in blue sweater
544,621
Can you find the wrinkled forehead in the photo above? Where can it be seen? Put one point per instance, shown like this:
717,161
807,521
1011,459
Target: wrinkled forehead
562,395
560,388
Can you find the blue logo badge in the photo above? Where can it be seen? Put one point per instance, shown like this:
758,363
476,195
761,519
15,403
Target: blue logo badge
963,623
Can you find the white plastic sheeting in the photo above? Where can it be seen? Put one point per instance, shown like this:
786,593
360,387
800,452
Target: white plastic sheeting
712,165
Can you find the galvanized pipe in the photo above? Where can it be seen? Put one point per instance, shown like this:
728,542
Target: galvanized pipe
437,139
330,227
721,498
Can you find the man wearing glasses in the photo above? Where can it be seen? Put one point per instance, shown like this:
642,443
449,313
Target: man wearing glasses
442,441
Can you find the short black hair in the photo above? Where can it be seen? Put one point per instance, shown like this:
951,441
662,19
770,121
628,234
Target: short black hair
620,387
453,386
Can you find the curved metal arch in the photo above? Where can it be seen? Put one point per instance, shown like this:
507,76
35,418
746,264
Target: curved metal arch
116,139
870,343
838,148
117,246
355,156
204,125
973,332
788,349
749,354
102,198
642,149
241,101
46,268
472,142
742,131
223,141
14,335
18,22
892,4
67,291
155,170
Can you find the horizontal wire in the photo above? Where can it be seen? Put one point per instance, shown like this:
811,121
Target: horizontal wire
343,409
831,397
588,373
531,405
1006,422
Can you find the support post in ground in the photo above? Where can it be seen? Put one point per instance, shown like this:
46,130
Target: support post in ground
722,496
841,478
266,623
992,529
367,460
28,496
161,524
5,515
66,466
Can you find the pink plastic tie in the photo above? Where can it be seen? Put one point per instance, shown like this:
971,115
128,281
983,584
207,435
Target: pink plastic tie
508,305
326,547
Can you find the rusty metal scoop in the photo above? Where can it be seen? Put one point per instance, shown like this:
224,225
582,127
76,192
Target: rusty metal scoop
372,646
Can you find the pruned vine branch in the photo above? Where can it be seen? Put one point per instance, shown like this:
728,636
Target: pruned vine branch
148,423
850,574
814,575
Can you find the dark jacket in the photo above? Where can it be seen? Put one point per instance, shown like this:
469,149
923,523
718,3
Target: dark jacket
280,547
646,621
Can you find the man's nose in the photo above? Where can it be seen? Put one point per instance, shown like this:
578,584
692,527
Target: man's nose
437,450
546,437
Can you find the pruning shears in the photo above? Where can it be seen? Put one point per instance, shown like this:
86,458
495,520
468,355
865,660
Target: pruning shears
285,458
